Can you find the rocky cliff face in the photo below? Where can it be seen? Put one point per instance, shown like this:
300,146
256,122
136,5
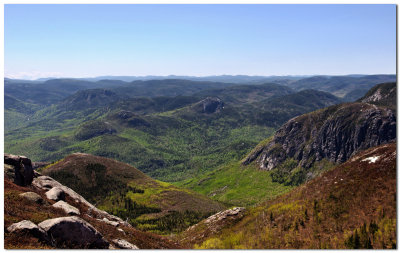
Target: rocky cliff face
334,133
209,105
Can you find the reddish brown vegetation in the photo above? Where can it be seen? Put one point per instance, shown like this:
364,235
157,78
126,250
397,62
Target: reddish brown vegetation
325,212
16,209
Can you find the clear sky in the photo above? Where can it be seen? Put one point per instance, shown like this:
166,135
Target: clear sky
199,40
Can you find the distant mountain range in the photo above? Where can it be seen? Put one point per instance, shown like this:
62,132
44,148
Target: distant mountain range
216,78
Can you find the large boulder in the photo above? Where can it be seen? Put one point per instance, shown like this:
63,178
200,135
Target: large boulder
30,227
56,194
73,232
46,183
23,171
67,208
32,196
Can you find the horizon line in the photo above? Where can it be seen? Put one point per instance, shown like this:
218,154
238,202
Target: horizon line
193,76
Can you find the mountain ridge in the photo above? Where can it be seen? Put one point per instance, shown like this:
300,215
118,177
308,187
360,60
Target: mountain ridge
333,134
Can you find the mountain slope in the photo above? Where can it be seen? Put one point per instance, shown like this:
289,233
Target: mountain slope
350,206
246,93
17,112
91,98
236,185
383,95
305,144
130,194
276,110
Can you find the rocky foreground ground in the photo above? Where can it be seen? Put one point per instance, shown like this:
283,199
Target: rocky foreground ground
42,213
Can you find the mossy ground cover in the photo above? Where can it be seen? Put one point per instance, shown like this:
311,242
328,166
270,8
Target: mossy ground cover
238,185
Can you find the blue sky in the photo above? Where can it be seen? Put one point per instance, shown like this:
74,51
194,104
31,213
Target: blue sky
199,40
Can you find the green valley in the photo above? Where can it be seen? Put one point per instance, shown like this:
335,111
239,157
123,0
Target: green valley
167,164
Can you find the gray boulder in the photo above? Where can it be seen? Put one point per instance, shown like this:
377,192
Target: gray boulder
56,194
29,227
73,232
32,196
67,208
122,244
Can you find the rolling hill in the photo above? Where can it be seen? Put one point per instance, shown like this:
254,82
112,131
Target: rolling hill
124,191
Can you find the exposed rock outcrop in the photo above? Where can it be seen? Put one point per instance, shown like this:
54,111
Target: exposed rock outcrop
23,171
209,105
29,227
382,94
56,194
230,214
67,208
212,225
122,244
334,133
73,232
46,183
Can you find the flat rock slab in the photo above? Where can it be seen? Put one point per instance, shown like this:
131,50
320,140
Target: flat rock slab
73,232
30,227
56,194
32,196
67,208
122,244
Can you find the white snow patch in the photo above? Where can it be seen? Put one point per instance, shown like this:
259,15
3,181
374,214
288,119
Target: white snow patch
371,159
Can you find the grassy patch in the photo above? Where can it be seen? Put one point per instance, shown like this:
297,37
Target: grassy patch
237,185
